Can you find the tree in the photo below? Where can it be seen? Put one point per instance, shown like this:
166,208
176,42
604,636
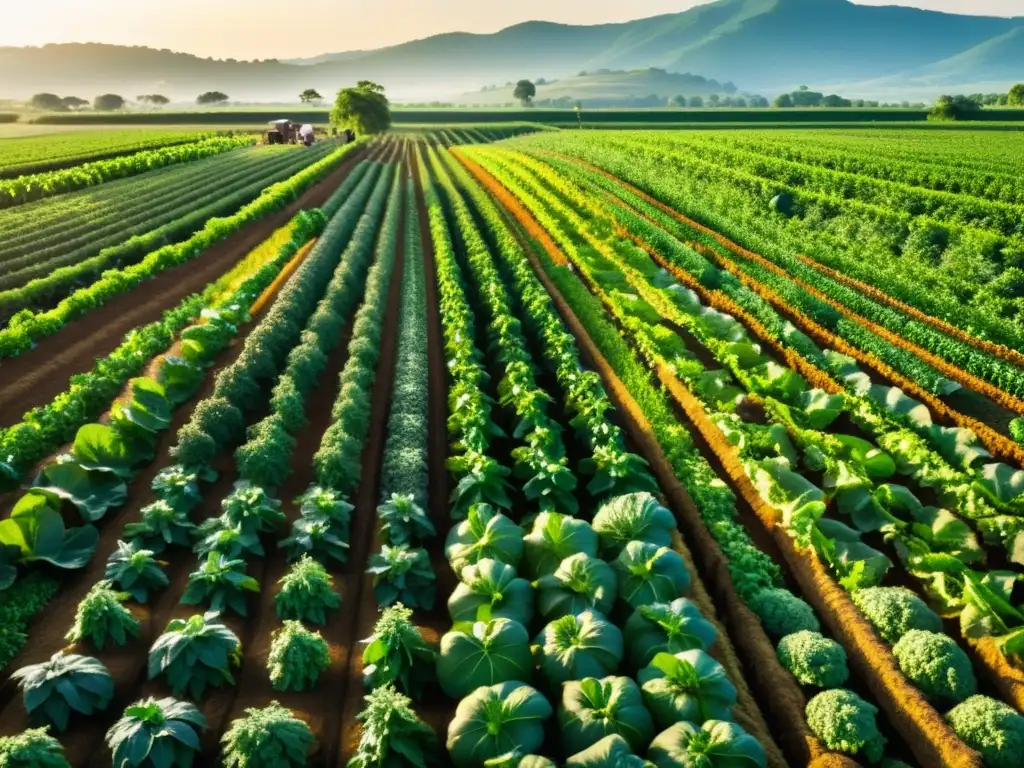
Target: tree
153,98
695,101
47,101
364,108
212,97
953,108
785,101
679,101
525,91
740,102
73,102
835,100
1016,95
309,95
714,100
108,102
758,101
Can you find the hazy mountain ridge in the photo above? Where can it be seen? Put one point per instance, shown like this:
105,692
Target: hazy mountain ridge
766,46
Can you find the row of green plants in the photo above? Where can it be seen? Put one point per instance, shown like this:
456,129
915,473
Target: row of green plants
51,267
202,652
948,460
851,465
28,188
27,328
621,566
839,717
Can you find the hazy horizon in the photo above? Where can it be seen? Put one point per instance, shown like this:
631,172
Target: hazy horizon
265,29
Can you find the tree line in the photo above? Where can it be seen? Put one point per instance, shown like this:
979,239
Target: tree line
112,102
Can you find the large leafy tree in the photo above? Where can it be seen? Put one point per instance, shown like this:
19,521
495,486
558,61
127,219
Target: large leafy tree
47,101
108,102
1016,95
309,95
364,108
212,97
525,91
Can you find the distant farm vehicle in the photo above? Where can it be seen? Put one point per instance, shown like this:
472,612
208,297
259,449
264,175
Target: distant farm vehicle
287,132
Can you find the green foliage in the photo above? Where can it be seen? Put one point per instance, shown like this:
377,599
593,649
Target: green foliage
392,735
322,529
846,723
610,752
580,583
265,460
715,744
403,574
156,733
363,108
491,589
396,653
894,611
647,573
992,728
935,664
666,628
67,682
102,616
403,521
783,613
135,571
222,583
297,657
267,737
307,592
813,659
495,720
592,709
553,538
34,748
689,686
574,647
632,517
35,532
485,533
219,535
160,525
252,509
18,605
483,653
195,653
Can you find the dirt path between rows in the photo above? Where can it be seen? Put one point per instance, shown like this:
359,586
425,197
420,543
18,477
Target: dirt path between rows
38,375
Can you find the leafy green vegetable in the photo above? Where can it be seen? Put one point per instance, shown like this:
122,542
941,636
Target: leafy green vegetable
135,571
161,525
156,733
574,647
93,492
393,736
33,748
495,720
666,627
689,685
194,653
403,521
66,682
592,709
101,616
37,530
992,728
633,517
307,592
222,583
485,533
98,446
297,657
483,654
612,751
252,509
580,583
936,664
894,611
267,737
783,613
404,575
222,537
397,654
846,723
715,744
813,659
553,538
491,589
647,573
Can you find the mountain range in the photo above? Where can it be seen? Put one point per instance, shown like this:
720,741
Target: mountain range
765,46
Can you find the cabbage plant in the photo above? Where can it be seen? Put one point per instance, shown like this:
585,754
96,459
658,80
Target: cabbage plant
612,751
485,533
160,525
715,744
495,720
195,653
592,709
64,683
580,583
156,733
483,653
553,538
632,517
574,647
491,590
135,571
647,573
666,627
689,686
222,583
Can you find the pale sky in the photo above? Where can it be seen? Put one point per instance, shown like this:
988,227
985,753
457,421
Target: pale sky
247,29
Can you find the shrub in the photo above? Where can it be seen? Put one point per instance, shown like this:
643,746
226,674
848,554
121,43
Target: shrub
297,657
271,736
992,728
306,593
156,733
846,723
101,616
34,748
66,682
221,420
194,653
813,659
936,665
265,460
783,613
397,654
195,448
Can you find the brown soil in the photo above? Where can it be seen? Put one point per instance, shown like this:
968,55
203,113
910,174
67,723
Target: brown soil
38,375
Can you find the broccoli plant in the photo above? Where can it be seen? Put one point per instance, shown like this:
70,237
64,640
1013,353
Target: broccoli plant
156,733
485,533
813,659
392,734
936,664
220,582
67,682
135,571
271,736
297,657
195,653
252,509
161,525
403,521
846,723
307,592
992,728
33,748
396,653
484,653
894,611
101,616
783,613
401,574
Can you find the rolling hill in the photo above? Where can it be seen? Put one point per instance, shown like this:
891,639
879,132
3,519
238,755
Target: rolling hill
761,45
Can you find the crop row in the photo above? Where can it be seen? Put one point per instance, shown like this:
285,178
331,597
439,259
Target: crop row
29,327
639,294
27,188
